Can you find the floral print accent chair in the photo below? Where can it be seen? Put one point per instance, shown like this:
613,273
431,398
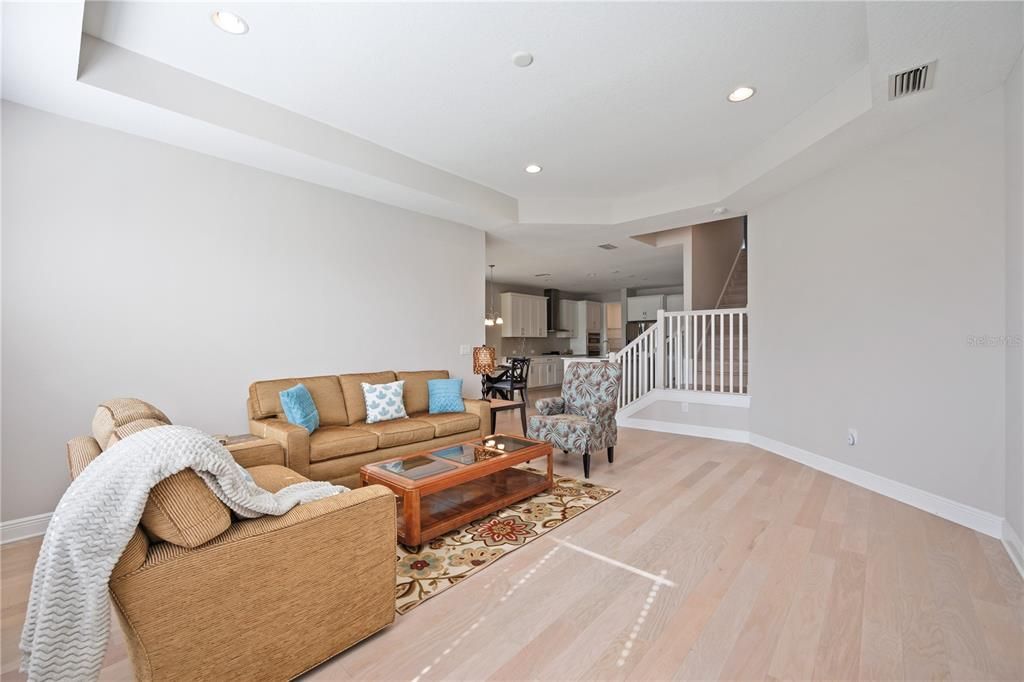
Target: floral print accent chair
583,419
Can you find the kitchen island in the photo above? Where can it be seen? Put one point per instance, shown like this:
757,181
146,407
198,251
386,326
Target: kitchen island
566,359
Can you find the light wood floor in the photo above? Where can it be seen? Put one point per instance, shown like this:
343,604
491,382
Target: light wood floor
716,561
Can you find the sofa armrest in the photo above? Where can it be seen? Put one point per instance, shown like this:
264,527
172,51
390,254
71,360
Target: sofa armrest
294,439
257,453
281,594
481,408
551,406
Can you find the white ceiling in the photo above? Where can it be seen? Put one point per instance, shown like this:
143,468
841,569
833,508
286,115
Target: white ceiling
621,98
418,104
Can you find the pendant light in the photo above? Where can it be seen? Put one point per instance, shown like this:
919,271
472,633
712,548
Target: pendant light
492,318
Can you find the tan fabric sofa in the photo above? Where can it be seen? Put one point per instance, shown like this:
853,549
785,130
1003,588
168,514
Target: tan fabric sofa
201,595
345,442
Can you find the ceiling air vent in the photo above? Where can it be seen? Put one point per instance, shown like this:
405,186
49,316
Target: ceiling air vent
912,80
607,247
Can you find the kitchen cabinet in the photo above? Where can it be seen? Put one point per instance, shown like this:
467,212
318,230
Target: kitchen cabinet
567,317
675,303
524,316
545,371
644,308
593,317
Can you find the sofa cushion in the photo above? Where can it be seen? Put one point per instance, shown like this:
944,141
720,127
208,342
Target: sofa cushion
182,510
265,400
352,389
265,397
273,477
122,432
117,413
329,442
450,423
416,394
330,402
399,432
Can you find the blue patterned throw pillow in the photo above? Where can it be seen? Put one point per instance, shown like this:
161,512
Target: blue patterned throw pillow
384,401
445,396
299,408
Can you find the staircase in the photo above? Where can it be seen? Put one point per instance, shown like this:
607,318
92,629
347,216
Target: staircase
734,293
693,350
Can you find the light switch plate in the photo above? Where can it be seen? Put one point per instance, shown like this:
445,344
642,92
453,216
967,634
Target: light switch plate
465,349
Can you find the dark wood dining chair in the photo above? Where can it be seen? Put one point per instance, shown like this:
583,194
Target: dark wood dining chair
513,379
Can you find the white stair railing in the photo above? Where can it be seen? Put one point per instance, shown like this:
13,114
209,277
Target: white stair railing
639,359
695,350
706,350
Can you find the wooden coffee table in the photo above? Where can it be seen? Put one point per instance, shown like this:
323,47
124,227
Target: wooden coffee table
445,488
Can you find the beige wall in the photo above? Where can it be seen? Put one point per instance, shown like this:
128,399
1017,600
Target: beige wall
867,284
133,268
714,248
1015,300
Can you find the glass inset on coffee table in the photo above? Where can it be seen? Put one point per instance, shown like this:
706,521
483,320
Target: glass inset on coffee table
444,488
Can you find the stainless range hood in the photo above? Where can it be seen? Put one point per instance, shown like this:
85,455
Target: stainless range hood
555,324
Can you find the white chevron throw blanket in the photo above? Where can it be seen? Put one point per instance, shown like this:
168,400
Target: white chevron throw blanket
68,618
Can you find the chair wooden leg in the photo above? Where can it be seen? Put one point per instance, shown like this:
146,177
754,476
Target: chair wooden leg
522,392
611,455
586,465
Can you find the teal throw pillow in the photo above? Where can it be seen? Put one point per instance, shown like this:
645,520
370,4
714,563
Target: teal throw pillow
445,396
299,408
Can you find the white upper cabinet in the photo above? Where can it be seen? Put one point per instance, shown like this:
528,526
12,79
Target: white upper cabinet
675,303
594,320
644,308
567,316
524,315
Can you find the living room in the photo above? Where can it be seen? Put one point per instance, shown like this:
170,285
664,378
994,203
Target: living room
245,283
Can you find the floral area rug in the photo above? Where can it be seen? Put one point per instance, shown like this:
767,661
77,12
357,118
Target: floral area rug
454,556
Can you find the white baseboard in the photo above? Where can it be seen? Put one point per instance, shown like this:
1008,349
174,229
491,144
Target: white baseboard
951,510
1014,546
27,527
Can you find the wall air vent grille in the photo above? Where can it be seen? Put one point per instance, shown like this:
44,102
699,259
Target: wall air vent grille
908,82
607,247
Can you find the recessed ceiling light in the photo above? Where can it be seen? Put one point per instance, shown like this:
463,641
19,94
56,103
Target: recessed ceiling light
741,93
229,23
533,169
522,59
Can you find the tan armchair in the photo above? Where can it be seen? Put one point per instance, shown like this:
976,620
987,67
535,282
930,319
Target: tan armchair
202,596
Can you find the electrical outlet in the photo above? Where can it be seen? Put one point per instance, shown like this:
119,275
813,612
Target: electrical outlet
465,350
851,437
685,407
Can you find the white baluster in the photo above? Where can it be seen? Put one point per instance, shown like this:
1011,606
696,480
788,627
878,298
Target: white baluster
732,342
